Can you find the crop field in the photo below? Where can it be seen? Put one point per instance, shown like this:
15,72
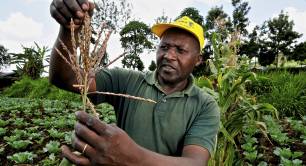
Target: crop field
284,144
32,131
33,125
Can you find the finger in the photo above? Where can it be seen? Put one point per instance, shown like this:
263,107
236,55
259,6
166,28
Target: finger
91,8
82,147
89,136
98,126
84,4
77,21
74,158
75,8
58,16
61,7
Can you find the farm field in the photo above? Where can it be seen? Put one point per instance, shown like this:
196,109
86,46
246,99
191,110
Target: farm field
32,130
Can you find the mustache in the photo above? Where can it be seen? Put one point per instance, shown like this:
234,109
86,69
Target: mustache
167,64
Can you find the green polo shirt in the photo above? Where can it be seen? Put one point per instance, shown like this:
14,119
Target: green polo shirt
189,117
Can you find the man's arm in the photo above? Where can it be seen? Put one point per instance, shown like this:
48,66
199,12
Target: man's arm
60,73
107,144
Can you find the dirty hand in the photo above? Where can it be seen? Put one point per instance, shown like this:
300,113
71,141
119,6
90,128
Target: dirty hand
101,144
63,10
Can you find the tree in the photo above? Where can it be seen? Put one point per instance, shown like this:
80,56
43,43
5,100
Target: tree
194,14
299,52
115,13
30,62
4,56
278,34
266,56
135,38
217,21
152,66
251,47
133,61
240,21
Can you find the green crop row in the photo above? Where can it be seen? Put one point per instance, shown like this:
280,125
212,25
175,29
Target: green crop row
32,130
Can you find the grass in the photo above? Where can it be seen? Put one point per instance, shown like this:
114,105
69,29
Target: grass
285,91
40,89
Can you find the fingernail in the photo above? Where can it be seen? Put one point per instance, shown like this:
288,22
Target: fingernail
80,14
77,128
84,6
77,113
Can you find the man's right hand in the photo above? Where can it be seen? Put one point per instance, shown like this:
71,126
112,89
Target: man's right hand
63,10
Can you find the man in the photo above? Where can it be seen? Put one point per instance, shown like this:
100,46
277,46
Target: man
180,129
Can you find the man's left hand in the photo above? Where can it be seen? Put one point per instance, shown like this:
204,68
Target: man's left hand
101,144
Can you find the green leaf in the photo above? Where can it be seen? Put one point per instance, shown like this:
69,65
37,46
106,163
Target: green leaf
226,134
22,157
212,67
297,154
2,131
52,147
19,145
3,123
297,162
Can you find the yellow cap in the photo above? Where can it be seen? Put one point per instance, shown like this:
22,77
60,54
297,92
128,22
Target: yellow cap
184,23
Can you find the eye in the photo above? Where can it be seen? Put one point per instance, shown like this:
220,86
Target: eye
180,50
163,47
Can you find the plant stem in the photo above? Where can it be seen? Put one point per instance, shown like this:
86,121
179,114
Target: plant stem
124,95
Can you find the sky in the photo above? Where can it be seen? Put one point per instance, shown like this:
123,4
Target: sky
23,22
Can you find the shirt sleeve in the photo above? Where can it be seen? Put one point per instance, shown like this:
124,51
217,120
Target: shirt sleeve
204,129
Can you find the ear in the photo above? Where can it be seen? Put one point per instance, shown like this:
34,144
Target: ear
199,60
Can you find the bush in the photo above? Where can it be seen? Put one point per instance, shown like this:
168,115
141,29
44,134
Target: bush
284,90
40,88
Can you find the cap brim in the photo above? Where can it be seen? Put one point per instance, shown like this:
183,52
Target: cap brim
159,29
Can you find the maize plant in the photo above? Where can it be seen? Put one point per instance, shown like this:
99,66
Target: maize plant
237,108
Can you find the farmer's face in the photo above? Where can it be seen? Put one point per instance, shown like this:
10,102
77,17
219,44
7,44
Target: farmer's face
177,55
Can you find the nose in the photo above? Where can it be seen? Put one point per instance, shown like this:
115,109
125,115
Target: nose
170,54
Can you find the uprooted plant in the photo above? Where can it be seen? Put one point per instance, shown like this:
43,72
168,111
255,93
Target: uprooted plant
88,62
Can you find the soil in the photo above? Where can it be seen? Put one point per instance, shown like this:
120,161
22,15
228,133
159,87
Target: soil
267,146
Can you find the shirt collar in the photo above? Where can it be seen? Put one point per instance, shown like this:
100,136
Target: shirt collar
151,79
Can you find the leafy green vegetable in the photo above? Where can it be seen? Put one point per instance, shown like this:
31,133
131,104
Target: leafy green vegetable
19,145
3,123
288,157
56,134
52,147
275,130
22,157
2,131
